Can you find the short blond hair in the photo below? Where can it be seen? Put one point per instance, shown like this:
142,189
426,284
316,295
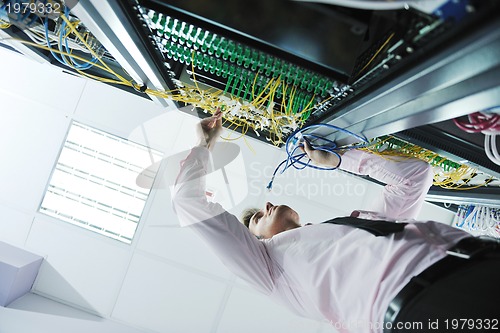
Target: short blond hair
247,215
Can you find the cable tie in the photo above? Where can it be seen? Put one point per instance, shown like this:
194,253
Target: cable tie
142,89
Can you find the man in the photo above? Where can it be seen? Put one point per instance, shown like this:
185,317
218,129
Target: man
345,274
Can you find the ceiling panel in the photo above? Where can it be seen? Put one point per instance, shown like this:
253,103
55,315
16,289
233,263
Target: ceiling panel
182,246
14,226
112,110
249,312
81,268
30,81
36,314
164,298
31,135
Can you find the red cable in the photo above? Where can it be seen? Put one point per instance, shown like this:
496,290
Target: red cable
479,122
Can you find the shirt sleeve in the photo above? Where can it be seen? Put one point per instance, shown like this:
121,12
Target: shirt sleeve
407,182
232,242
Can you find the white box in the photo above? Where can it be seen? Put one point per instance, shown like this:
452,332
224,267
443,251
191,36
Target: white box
18,271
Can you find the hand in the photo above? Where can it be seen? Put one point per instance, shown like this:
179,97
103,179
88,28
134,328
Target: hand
209,130
320,157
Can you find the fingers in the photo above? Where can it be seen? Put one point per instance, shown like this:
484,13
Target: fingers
209,129
218,118
307,148
207,122
213,121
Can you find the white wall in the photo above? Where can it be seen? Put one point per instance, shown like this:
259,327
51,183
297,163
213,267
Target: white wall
166,281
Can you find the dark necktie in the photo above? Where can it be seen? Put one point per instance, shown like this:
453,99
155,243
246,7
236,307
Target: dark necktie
375,227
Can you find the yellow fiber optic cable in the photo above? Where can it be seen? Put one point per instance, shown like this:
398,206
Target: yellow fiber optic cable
208,99
73,29
454,179
70,55
4,25
376,54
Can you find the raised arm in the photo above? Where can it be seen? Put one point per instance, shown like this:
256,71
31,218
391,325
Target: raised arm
231,241
407,179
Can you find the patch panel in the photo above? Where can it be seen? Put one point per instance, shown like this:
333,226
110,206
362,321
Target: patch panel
251,82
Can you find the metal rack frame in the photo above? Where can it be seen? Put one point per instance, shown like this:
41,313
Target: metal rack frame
112,24
486,196
462,78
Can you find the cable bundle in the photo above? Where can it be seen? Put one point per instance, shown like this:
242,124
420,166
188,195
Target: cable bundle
257,111
42,21
261,92
489,125
447,174
296,141
65,30
256,114
478,220
269,105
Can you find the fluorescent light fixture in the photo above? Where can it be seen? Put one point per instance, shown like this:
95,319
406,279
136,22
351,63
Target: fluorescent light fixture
93,184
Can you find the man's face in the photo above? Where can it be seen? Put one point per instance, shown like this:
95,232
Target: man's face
272,220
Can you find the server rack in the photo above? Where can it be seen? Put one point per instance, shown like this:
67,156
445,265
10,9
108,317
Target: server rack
405,69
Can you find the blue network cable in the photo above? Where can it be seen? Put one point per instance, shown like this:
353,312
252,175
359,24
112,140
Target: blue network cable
47,37
68,49
481,220
64,47
296,141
